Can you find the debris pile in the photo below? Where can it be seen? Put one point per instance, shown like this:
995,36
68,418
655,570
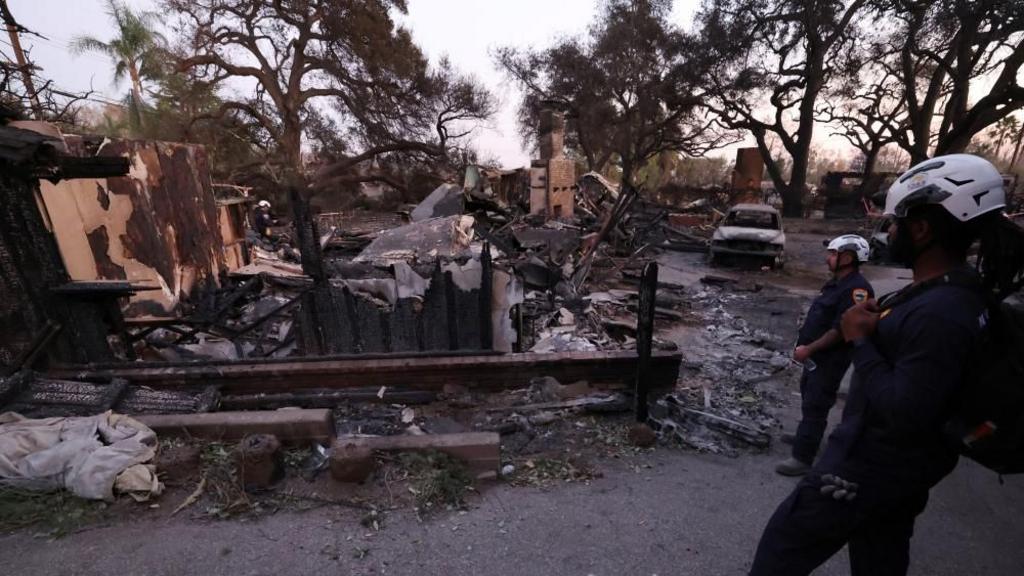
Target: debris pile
737,351
542,271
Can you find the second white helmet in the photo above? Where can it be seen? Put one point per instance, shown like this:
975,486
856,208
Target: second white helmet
852,243
967,186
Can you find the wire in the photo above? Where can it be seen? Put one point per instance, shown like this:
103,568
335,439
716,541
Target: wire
66,46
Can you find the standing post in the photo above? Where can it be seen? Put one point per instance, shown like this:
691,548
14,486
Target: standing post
644,336
19,55
486,298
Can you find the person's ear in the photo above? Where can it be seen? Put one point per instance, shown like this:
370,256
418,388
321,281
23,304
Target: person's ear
920,231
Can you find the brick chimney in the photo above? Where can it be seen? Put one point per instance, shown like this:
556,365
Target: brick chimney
552,132
552,176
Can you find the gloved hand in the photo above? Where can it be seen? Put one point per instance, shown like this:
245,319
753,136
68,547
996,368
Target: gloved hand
838,488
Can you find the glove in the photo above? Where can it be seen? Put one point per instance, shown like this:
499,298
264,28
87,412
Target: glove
838,488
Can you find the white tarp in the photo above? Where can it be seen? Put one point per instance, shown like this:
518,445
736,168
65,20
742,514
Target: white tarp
89,456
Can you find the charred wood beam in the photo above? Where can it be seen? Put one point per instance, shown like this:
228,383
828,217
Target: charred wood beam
70,167
325,398
423,372
28,356
644,337
113,392
12,386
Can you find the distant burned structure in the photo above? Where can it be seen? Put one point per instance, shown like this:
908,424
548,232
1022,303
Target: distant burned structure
746,176
847,193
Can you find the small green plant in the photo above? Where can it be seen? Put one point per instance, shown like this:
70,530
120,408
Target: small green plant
548,471
57,514
224,491
437,480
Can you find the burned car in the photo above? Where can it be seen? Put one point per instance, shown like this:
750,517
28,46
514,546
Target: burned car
752,231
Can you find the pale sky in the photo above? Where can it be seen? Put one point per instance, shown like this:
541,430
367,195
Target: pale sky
465,30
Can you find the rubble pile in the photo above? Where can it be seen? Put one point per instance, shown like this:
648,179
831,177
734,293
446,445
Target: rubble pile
725,402
547,267
248,318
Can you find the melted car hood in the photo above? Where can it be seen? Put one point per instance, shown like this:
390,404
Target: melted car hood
753,234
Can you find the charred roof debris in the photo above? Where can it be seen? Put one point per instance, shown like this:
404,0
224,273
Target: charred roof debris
497,321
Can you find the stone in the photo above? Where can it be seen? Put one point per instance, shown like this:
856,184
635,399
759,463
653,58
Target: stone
642,436
259,462
178,464
543,418
565,317
352,463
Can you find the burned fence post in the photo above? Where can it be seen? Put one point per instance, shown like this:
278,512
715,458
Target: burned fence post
306,237
644,336
451,308
486,298
321,314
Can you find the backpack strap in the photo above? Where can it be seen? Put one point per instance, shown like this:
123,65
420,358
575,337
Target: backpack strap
963,277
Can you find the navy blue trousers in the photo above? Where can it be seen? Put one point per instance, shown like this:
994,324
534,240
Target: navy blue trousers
818,389
809,527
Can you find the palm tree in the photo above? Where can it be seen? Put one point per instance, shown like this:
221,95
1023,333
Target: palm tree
134,51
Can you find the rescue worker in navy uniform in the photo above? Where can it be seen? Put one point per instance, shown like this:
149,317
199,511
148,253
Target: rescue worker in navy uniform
911,352
821,349
264,221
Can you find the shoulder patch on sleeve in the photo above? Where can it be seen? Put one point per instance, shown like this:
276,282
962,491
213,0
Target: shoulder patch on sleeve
859,295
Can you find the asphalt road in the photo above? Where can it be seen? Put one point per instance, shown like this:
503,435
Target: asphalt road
685,514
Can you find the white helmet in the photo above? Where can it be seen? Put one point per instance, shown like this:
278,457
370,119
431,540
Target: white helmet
965,185
263,204
853,243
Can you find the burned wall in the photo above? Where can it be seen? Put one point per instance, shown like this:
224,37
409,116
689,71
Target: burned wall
158,226
449,306
23,269
30,269
231,218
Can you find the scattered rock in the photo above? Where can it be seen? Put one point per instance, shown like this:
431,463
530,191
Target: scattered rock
574,390
544,389
259,461
351,463
408,415
566,318
178,464
642,436
543,418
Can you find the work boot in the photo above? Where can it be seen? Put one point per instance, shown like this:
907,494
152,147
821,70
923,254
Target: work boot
792,467
787,438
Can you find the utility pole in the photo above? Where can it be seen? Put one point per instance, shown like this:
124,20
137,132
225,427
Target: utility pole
23,65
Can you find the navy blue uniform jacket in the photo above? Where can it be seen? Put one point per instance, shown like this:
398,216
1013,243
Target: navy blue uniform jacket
827,309
906,378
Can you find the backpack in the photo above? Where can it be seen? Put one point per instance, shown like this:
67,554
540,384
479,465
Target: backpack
987,422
